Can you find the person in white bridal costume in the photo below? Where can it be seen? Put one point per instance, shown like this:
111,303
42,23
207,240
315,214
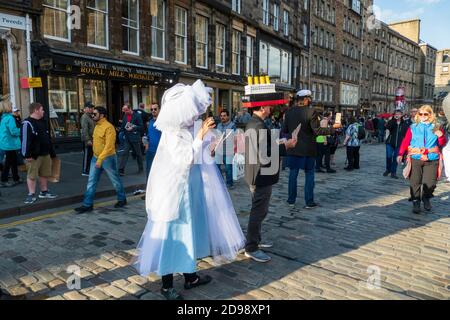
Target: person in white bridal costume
190,213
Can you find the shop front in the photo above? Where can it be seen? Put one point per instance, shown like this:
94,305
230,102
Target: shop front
71,80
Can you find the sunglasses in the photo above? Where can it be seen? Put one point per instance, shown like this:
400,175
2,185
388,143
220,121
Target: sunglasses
424,114
153,110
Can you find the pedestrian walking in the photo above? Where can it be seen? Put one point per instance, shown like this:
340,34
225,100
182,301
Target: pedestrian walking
104,159
353,143
190,213
153,138
225,152
260,175
38,151
131,127
303,156
446,150
424,160
397,130
9,143
87,130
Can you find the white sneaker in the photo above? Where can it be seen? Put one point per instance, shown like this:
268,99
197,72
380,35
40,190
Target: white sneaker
258,256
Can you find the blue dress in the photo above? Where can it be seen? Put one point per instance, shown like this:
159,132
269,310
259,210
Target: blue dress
175,246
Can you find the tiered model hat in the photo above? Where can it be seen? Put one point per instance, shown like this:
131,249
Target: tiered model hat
261,93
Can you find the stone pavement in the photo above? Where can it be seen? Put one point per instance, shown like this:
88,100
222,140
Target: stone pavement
70,189
363,227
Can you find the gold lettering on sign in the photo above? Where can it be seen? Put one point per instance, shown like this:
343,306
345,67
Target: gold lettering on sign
117,74
93,71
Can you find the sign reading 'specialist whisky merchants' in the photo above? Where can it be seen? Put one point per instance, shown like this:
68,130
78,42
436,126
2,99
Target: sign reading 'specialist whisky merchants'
112,71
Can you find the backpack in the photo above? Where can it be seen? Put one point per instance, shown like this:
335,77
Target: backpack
361,132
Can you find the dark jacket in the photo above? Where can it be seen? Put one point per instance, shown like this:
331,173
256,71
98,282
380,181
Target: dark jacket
310,120
396,132
135,134
36,139
253,174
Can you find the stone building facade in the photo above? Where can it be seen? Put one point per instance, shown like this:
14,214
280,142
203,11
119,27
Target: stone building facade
426,74
131,51
442,82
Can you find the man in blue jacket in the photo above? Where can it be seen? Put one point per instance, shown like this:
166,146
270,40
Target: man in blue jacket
132,127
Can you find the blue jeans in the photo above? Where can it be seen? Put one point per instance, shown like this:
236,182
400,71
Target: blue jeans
228,171
109,165
391,158
307,164
149,157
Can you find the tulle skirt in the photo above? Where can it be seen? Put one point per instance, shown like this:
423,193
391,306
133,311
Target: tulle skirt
207,226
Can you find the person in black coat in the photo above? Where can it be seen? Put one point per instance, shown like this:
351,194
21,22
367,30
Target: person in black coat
397,130
262,165
303,156
132,126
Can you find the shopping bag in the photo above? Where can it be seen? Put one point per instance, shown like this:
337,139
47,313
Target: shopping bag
238,166
56,170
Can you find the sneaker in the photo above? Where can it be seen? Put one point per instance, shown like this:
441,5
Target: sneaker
386,173
85,174
416,207
6,184
138,191
311,206
394,176
121,172
266,245
84,209
171,294
258,256
348,169
47,195
291,205
427,204
199,282
120,204
31,198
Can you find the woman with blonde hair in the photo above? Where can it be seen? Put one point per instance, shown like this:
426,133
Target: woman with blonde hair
9,143
422,144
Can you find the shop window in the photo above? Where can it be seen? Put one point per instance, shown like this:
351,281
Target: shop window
63,106
130,26
180,35
201,38
275,62
55,19
4,89
97,29
236,103
158,11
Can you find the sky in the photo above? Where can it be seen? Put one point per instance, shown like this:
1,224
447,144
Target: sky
434,16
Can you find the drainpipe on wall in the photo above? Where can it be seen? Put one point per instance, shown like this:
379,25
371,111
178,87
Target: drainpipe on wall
28,40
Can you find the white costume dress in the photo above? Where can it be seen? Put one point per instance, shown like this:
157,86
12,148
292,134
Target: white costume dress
190,213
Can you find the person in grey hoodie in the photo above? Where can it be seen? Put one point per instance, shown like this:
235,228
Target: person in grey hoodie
87,130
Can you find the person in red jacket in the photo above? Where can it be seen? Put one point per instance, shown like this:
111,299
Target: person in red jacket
423,143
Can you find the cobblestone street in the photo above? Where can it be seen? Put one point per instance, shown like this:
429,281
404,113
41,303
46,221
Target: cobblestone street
364,225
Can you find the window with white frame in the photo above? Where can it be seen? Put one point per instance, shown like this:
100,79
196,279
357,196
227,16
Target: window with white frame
220,47
286,22
130,26
276,16
180,35
236,6
56,13
201,41
275,62
97,28
249,55
236,52
266,12
158,13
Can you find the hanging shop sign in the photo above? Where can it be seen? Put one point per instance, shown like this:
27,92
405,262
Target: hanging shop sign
27,83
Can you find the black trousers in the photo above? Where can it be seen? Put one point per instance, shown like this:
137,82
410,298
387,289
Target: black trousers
11,162
353,157
87,157
260,208
323,151
423,178
167,280
136,147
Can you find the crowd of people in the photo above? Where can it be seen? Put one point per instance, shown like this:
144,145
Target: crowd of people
190,212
